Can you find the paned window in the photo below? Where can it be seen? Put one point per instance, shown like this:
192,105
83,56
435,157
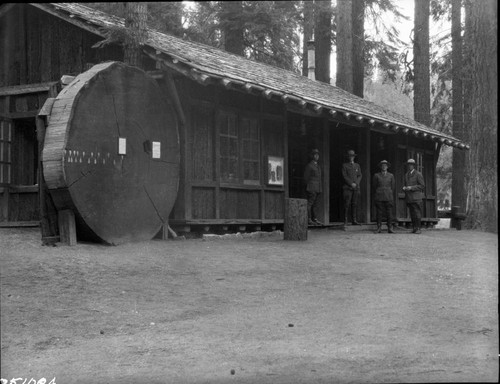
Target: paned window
228,148
239,149
251,152
419,159
5,151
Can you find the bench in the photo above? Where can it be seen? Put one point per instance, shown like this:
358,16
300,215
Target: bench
455,215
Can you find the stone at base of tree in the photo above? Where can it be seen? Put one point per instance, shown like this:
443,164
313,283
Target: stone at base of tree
295,223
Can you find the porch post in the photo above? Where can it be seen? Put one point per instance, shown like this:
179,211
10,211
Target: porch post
325,154
364,150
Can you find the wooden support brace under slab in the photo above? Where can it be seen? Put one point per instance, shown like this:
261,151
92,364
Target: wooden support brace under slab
67,227
165,232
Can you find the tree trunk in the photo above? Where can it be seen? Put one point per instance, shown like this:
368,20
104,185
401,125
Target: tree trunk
421,88
323,39
458,181
358,36
295,223
308,33
467,90
344,77
232,27
136,16
482,192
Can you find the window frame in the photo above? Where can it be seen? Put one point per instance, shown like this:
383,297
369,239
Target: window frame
418,156
241,143
6,151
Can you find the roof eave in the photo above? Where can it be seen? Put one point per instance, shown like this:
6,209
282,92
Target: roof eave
201,75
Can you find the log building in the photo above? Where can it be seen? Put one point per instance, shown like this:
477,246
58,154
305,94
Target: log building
245,129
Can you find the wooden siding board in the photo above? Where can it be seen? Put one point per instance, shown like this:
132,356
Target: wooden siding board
22,46
228,204
239,204
203,203
248,204
33,48
23,207
274,203
202,148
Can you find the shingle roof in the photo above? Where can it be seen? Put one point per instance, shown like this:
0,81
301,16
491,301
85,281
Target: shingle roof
210,62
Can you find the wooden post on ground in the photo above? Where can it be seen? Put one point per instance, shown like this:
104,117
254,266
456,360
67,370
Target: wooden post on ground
67,226
48,212
295,223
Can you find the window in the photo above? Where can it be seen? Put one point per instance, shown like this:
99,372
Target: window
228,148
418,157
250,146
5,151
239,149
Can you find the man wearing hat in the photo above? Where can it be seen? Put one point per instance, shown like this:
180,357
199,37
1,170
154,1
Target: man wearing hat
312,177
414,187
383,187
351,173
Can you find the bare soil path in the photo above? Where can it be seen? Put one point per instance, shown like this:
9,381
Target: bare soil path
343,307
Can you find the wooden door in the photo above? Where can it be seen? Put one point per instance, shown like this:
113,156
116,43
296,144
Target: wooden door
341,140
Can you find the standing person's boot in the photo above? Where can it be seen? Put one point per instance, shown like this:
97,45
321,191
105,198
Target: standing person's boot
413,225
418,222
389,226
354,215
345,216
379,227
309,214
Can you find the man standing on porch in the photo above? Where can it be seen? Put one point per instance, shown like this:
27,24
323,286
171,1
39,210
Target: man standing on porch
384,186
414,187
351,173
312,177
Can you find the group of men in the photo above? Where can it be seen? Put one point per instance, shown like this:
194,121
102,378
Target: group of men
384,186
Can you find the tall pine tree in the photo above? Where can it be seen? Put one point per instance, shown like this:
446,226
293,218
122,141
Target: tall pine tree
323,39
482,49
344,78
458,183
358,43
421,60
232,24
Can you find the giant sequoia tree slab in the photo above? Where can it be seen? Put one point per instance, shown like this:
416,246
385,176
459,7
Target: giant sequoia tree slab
111,153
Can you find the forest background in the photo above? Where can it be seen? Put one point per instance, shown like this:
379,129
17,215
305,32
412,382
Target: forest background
431,60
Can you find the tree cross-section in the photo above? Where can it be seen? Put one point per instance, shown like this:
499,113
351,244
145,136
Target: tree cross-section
111,154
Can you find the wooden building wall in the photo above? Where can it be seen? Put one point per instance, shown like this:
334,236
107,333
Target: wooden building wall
227,139
38,47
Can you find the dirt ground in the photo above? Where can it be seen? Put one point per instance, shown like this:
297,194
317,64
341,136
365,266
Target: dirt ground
342,307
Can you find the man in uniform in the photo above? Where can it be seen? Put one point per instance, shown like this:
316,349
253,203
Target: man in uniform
312,177
414,187
351,173
384,186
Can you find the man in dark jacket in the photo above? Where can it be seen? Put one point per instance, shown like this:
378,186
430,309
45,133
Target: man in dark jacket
312,177
351,173
414,188
383,187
